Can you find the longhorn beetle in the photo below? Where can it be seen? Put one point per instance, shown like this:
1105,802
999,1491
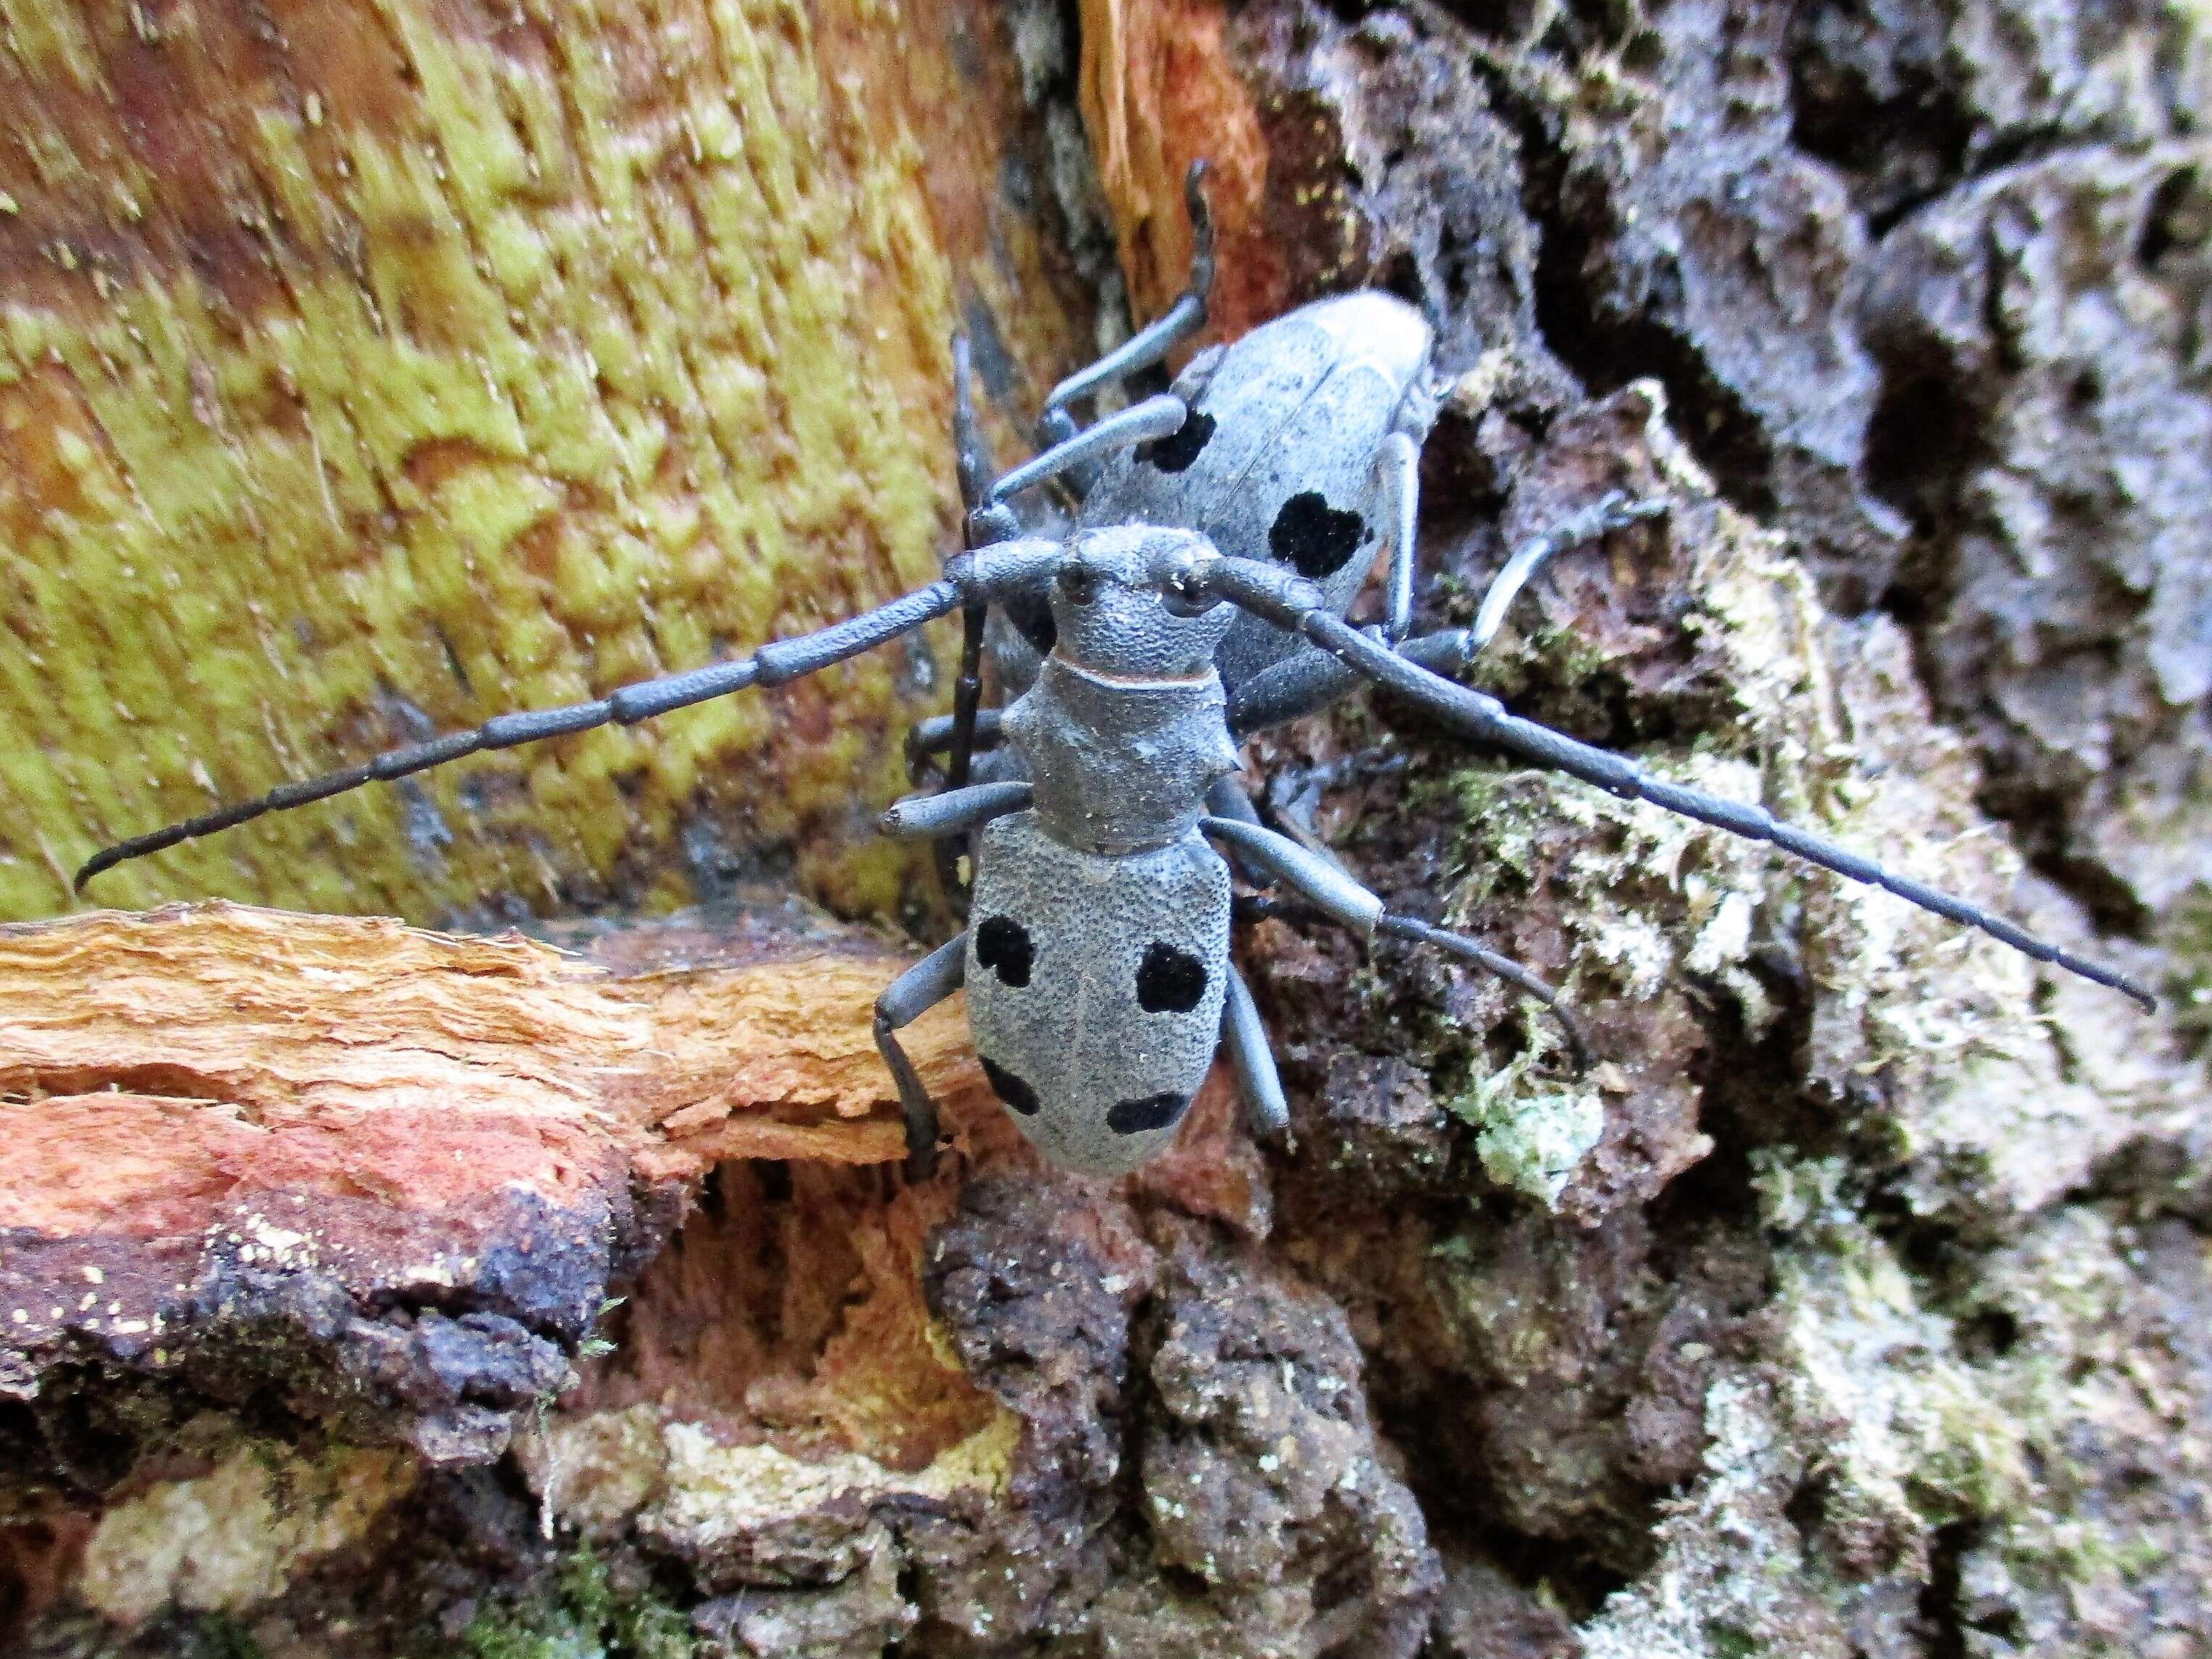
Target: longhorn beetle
1223,530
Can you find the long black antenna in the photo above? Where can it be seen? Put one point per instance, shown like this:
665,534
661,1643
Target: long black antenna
772,665
1293,605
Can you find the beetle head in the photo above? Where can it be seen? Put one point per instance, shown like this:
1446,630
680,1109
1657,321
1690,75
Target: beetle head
1112,604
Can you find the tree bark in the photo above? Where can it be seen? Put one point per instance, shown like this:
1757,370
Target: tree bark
1853,1305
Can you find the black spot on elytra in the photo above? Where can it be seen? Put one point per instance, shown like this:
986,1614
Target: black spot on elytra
1011,1089
1169,981
1130,1117
1175,451
1313,538
1002,944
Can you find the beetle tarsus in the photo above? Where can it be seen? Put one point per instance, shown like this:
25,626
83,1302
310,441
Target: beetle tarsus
903,1001
1615,510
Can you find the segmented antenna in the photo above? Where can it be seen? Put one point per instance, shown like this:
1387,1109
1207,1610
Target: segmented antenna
1293,605
772,665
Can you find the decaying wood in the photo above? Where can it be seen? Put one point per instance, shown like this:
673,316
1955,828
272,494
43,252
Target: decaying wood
213,1118
242,1150
671,1045
1855,1307
281,1193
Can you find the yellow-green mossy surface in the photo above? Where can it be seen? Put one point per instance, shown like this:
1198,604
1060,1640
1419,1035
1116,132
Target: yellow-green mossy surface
369,368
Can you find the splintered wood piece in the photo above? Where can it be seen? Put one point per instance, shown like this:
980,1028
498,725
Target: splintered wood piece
393,1173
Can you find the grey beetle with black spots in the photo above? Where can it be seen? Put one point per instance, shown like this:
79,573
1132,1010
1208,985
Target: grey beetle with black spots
1221,531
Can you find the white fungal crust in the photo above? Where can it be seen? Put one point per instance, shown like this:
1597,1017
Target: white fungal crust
1094,988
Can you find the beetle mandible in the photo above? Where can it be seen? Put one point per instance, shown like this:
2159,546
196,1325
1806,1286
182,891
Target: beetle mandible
1222,530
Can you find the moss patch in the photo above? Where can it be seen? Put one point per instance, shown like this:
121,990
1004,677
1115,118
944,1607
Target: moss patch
587,1616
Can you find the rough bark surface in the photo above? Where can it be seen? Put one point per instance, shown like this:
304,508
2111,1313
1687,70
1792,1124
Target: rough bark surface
1854,1305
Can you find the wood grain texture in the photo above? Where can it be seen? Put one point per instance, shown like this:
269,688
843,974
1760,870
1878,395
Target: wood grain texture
387,1177
1160,88
262,1024
368,368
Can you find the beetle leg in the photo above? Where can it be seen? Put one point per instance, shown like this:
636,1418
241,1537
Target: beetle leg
1055,426
1151,344
1320,880
1161,417
1227,798
1468,950
1245,1037
929,737
1307,682
1262,906
953,812
905,1001
1326,886
1398,491
1610,511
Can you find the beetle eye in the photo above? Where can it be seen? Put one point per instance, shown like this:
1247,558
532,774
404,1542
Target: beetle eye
1078,582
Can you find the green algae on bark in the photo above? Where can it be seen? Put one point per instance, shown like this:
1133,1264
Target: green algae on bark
365,372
